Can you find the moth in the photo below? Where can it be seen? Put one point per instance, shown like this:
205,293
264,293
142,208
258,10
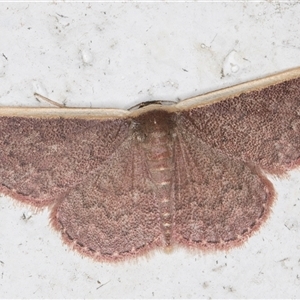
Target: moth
120,183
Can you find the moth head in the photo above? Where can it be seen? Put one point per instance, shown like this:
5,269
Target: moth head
153,122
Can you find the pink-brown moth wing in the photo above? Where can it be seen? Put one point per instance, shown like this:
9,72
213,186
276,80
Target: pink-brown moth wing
42,158
94,173
223,149
261,127
112,214
219,200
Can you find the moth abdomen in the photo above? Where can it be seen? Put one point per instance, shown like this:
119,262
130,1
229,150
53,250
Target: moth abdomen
157,146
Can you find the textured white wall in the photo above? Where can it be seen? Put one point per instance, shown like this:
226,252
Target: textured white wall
117,55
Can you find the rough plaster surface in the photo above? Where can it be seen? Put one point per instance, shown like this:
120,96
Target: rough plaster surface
117,55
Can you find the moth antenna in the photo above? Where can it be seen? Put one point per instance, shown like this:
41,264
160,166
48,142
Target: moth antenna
40,97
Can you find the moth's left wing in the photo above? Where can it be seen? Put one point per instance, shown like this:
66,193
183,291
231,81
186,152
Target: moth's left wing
42,157
112,215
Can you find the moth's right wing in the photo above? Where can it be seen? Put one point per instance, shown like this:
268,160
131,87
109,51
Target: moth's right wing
219,201
257,122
